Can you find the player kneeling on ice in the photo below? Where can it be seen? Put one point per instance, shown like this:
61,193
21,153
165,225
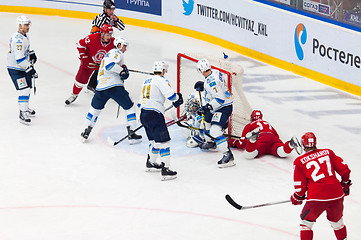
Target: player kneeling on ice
315,173
216,111
111,76
262,139
154,92
21,67
195,137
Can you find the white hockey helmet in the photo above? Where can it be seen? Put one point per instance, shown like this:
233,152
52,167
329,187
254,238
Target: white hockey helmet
122,41
23,20
159,66
203,65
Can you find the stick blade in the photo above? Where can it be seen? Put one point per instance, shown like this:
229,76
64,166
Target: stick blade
232,202
110,141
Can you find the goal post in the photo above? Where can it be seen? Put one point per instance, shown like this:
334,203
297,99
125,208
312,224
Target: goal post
188,75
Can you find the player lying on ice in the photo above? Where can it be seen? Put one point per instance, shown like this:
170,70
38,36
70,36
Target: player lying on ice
265,139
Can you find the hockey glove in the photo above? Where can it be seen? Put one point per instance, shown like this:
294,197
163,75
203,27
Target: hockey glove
346,187
124,74
205,109
179,102
84,60
252,136
296,199
30,71
199,86
32,57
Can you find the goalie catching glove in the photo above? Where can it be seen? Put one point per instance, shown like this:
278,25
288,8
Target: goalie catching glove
124,74
178,102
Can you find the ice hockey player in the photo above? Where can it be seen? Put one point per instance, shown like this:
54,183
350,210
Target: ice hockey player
265,139
20,66
195,138
154,92
107,17
91,49
216,111
111,76
315,174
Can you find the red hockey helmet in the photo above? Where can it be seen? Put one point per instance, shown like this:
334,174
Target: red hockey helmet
256,114
106,28
309,139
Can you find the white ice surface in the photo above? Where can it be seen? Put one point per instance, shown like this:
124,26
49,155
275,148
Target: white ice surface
52,186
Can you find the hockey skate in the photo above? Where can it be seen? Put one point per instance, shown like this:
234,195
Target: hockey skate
31,112
296,145
24,118
133,137
208,145
71,99
85,134
152,167
227,160
168,174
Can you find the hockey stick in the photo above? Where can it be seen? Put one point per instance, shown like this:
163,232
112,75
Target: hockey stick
137,71
239,207
111,142
130,70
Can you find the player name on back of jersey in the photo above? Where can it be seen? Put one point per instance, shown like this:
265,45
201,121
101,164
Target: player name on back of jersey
314,156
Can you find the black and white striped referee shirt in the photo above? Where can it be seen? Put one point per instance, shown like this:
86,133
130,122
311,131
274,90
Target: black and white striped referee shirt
103,18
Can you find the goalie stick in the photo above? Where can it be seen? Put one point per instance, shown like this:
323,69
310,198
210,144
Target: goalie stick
130,70
239,207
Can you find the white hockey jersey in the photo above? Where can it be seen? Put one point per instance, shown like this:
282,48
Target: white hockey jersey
154,92
215,91
18,57
110,67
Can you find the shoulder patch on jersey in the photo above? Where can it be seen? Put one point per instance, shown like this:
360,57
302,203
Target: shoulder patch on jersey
212,84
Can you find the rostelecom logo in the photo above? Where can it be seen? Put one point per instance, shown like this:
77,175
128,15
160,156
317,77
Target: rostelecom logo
300,39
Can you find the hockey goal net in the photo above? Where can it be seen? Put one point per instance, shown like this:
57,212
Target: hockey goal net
188,75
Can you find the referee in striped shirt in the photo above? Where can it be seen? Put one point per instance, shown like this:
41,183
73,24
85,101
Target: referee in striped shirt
108,17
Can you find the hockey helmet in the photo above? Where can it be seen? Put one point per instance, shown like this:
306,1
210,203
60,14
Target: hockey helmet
203,65
256,114
120,40
23,20
159,66
109,4
309,140
106,28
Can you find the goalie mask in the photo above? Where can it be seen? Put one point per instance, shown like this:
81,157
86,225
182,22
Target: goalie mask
191,105
309,140
256,114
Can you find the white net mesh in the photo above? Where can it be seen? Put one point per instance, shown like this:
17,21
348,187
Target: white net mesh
188,75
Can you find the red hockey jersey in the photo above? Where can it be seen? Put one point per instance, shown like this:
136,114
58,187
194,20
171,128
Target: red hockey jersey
315,173
94,48
265,128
